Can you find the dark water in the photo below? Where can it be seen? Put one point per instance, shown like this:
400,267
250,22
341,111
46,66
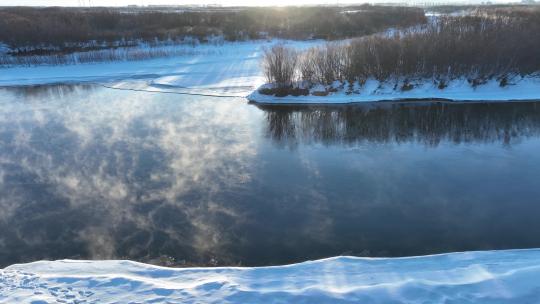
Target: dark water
88,172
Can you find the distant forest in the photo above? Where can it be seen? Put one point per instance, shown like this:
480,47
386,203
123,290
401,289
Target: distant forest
24,27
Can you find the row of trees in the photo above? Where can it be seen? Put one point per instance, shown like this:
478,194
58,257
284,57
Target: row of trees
24,26
479,47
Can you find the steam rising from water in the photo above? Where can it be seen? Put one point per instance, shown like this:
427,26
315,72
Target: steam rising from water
87,172
125,162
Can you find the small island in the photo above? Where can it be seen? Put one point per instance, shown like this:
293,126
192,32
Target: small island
488,56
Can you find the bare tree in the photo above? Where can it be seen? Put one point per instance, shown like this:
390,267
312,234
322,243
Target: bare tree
279,65
477,47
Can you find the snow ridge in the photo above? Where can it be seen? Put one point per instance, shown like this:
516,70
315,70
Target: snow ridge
509,276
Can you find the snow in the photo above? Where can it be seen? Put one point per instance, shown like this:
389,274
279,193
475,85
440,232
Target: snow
519,88
510,276
232,68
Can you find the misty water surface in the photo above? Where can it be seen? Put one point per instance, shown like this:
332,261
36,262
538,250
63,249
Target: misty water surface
89,172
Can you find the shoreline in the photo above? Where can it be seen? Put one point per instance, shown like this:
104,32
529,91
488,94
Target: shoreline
526,88
473,274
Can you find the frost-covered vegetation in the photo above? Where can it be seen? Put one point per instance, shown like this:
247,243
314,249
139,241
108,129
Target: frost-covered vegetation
495,44
140,52
58,31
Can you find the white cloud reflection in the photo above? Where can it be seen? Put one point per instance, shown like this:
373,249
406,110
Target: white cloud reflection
111,152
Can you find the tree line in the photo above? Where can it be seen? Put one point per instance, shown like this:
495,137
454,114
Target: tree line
59,27
480,46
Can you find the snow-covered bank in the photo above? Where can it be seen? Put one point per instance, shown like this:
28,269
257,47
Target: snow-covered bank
511,276
518,88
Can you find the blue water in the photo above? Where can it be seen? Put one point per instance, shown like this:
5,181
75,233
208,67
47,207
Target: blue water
89,172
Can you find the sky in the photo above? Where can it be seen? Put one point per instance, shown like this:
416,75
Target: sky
177,2
185,2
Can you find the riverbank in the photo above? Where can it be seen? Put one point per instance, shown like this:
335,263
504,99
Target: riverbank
510,276
516,88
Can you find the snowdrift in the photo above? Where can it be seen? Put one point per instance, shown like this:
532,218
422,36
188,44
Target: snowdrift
511,276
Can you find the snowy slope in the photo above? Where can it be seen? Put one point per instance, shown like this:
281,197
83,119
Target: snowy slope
511,276
232,69
124,70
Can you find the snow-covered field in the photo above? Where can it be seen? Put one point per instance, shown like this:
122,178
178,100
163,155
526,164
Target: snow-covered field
229,69
234,69
511,276
196,64
519,88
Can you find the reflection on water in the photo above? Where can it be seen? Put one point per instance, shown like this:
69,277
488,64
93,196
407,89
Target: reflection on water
105,177
87,172
429,124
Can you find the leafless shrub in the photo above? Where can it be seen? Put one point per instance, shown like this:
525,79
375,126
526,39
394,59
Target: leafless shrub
324,64
478,47
279,65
